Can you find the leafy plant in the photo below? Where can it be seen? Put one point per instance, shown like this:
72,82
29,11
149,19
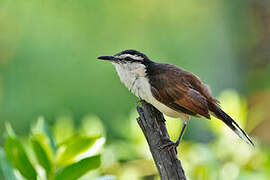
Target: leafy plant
69,160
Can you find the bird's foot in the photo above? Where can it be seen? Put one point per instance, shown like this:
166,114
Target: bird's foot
170,145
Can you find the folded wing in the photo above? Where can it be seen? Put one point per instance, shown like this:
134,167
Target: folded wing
181,91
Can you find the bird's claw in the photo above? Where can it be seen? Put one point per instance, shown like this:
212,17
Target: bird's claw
170,145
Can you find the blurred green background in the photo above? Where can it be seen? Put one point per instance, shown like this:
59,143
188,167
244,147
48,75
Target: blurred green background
48,68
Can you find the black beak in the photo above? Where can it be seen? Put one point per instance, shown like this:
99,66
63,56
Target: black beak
107,58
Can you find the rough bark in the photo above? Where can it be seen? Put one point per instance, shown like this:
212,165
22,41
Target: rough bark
152,123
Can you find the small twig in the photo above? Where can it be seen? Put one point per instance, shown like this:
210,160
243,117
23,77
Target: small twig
152,123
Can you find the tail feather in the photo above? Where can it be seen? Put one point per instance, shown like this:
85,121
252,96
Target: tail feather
219,113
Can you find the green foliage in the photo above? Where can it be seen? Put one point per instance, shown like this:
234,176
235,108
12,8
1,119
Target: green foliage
19,159
42,157
70,160
73,147
76,170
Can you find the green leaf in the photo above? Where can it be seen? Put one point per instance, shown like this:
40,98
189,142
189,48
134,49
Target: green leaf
43,147
16,154
6,166
73,147
10,130
42,156
41,127
78,169
48,132
63,128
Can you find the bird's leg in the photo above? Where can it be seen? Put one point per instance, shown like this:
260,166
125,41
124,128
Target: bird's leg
181,134
171,144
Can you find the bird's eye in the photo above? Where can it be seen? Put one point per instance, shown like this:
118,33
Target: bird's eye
128,59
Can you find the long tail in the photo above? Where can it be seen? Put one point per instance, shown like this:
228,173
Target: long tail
220,114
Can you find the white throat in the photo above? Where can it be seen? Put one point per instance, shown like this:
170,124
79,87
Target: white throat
133,75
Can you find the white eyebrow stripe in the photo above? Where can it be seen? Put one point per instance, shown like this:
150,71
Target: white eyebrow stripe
131,56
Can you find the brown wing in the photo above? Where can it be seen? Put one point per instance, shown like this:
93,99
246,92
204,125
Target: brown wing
180,90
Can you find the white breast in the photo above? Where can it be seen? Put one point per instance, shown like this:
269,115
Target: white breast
134,77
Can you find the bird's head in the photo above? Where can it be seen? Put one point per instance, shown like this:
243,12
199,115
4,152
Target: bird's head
127,57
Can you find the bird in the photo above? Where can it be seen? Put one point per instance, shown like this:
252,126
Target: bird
172,90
